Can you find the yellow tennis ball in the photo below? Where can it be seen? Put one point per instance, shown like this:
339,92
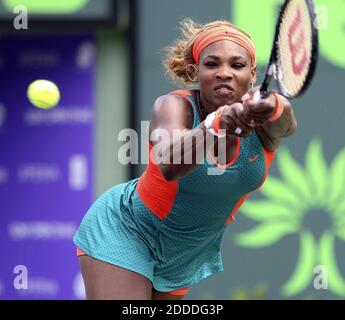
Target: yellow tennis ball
43,94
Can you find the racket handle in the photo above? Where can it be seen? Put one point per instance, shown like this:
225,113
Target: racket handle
257,96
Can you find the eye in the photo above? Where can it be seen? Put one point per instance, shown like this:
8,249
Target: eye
210,64
238,65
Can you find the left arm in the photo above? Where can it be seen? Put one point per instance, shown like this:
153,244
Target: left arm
270,133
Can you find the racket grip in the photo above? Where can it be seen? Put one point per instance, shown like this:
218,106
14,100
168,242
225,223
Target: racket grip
257,96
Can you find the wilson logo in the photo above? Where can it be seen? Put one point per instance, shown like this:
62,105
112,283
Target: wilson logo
296,45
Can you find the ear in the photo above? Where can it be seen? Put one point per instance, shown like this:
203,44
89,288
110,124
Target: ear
192,72
253,73
196,71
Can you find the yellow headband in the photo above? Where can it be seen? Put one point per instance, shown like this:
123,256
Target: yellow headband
212,35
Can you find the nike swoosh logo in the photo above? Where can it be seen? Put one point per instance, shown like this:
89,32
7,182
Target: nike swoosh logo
252,159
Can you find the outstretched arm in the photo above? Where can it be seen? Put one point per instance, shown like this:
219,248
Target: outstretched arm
172,138
271,133
179,148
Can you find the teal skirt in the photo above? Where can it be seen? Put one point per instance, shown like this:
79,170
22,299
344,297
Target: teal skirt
121,230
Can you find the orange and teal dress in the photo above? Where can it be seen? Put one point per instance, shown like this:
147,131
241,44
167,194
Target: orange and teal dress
171,231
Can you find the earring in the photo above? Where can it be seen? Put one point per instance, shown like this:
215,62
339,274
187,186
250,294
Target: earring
194,72
252,85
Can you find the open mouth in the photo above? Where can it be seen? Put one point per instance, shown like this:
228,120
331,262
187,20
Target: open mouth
224,89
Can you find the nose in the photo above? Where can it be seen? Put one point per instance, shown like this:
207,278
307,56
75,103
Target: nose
224,73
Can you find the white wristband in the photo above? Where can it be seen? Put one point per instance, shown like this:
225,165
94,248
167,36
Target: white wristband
208,124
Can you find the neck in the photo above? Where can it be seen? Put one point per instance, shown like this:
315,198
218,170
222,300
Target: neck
203,110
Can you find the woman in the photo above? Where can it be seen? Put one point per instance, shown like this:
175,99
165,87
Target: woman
155,236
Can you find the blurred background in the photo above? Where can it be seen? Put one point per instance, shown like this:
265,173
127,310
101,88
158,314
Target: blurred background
287,242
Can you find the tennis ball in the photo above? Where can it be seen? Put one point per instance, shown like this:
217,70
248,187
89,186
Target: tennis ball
43,94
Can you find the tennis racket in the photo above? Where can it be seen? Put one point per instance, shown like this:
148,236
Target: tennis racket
294,53
295,49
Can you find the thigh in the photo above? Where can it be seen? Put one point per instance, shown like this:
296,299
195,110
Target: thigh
104,281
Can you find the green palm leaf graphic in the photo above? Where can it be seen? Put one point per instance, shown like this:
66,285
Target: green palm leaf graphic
340,233
264,210
337,180
281,213
265,234
340,222
294,175
317,170
339,215
281,192
303,273
327,258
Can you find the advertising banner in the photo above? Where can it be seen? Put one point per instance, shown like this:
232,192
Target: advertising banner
45,164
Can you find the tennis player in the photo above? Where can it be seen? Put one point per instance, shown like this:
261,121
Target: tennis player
155,236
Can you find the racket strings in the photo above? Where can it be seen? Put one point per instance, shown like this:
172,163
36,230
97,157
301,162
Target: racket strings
295,47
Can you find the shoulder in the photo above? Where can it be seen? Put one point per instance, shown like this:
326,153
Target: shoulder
171,99
173,106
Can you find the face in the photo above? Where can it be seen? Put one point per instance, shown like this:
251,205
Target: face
224,74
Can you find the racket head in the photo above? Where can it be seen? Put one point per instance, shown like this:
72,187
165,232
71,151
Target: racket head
295,52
